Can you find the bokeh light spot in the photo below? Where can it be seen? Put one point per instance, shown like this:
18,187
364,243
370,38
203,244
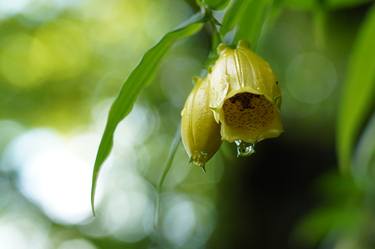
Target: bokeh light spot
179,222
54,173
311,77
76,244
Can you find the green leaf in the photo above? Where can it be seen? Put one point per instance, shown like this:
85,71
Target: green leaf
247,17
345,3
330,4
358,92
342,220
216,4
233,15
364,159
139,77
253,20
301,4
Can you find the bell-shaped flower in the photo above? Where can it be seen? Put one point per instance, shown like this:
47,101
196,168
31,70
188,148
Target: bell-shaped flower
244,95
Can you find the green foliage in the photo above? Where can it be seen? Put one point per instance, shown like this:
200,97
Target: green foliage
251,24
345,3
323,221
233,15
130,90
364,160
216,4
247,18
301,4
331,4
59,65
358,92
244,20
342,214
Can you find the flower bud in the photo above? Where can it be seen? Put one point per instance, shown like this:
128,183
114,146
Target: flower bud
199,131
244,95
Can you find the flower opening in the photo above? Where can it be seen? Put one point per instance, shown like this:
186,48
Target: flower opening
249,117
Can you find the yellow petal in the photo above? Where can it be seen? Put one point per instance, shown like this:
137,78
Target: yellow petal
200,132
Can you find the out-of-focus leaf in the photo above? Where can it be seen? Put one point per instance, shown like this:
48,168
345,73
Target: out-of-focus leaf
216,4
251,24
339,190
358,92
320,20
138,78
364,160
322,221
247,17
301,4
345,3
342,211
314,4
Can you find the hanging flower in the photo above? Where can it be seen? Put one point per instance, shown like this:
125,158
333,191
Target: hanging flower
244,95
199,131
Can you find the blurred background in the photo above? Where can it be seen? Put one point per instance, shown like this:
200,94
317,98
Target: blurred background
62,62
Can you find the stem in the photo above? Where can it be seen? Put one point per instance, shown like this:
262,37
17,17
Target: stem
168,165
171,154
319,22
216,36
319,26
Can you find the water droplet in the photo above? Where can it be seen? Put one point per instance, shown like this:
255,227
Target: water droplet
244,149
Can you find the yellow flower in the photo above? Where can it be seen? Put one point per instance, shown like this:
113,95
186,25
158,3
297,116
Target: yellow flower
199,131
244,95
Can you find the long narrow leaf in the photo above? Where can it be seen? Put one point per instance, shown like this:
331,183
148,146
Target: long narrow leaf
130,90
363,164
311,5
247,18
345,3
253,20
233,15
216,4
358,92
